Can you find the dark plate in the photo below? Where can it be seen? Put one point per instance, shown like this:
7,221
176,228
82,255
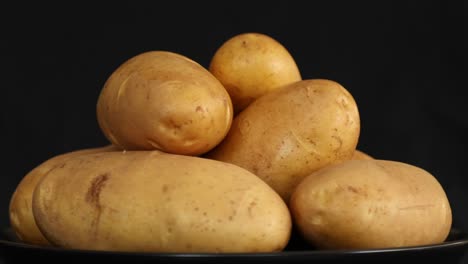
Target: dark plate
451,251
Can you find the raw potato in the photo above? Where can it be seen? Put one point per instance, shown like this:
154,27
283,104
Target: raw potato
359,155
371,204
156,202
21,215
165,101
291,132
251,65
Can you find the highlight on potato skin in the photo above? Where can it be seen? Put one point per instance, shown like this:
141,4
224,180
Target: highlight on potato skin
164,101
250,65
364,204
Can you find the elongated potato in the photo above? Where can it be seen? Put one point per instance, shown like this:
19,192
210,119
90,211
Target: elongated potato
157,202
291,132
371,204
165,101
250,65
21,215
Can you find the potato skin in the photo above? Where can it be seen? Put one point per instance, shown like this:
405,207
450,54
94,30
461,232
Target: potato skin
359,155
165,101
156,202
291,132
250,65
20,209
371,204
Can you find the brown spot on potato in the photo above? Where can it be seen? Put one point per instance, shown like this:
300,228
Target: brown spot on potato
311,141
165,188
353,189
199,109
357,190
93,197
174,124
94,191
340,142
251,206
343,103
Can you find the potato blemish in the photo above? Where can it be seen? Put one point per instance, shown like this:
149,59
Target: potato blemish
93,197
94,191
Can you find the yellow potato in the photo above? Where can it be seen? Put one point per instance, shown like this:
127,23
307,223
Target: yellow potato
21,215
359,155
290,132
165,101
250,65
156,202
371,204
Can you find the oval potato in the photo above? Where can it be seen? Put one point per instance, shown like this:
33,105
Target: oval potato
362,204
156,202
250,65
287,134
20,209
165,101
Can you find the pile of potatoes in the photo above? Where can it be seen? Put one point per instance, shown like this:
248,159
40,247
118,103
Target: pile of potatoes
226,159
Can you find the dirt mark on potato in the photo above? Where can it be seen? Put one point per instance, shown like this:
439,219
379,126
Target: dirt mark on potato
93,197
250,208
94,191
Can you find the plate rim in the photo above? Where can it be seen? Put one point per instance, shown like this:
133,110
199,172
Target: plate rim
446,245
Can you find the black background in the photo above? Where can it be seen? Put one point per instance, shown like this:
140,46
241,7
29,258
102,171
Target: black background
402,62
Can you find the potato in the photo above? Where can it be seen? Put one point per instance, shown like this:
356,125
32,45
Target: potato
251,65
287,134
156,202
21,215
371,204
359,155
165,101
